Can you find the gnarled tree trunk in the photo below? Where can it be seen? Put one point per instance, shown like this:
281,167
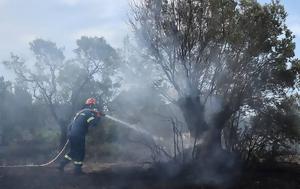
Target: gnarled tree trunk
207,135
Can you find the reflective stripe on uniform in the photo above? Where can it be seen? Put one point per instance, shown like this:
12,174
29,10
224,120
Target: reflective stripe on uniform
68,157
78,162
80,113
90,119
75,116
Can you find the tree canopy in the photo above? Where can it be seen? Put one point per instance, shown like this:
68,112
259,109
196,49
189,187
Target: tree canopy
240,52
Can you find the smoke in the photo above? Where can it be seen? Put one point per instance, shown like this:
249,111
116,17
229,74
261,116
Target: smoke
157,131
158,104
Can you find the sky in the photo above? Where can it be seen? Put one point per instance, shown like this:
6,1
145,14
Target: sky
64,21
61,21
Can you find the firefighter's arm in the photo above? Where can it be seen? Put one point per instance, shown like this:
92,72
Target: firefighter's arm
94,119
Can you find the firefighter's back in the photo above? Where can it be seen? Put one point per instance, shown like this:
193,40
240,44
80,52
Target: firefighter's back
80,124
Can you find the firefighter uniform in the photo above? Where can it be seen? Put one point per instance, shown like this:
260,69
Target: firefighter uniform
76,133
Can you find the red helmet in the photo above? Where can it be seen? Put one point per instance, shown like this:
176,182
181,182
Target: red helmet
91,101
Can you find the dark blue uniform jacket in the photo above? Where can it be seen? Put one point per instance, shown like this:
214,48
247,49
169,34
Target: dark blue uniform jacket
84,119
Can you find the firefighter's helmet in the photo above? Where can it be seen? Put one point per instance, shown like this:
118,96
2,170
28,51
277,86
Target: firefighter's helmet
91,101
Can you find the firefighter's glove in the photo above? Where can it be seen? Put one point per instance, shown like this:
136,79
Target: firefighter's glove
99,114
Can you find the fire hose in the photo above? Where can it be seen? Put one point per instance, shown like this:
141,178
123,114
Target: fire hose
65,146
38,165
44,164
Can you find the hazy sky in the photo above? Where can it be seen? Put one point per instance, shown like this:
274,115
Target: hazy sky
61,21
64,21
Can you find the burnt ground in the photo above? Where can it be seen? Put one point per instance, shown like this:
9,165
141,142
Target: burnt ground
121,175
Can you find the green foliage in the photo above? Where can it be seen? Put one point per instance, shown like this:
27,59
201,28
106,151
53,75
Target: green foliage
95,49
21,119
46,52
274,131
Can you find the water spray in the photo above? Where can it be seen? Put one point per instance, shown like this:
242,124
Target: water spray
140,130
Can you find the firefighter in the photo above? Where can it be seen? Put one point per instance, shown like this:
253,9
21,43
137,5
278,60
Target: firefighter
87,117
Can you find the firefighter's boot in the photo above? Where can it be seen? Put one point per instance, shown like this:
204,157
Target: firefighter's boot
62,164
78,170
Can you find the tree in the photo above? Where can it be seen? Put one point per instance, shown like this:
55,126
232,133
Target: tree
43,77
272,132
98,62
17,123
5,91
53,81
235,51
